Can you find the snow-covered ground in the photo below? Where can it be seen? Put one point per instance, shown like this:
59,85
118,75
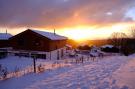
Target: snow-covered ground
11,62
114,72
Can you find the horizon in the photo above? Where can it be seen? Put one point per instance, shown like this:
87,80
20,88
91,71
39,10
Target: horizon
87,34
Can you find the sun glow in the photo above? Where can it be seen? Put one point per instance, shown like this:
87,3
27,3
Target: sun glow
81,33
78,33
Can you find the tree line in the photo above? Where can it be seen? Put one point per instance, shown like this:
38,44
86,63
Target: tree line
126,43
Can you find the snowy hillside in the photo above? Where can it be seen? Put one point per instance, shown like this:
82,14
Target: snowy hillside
114,72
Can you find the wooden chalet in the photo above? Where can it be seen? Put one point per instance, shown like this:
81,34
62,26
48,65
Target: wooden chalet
44,45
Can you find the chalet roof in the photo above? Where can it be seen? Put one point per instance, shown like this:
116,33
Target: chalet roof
49,35
5,36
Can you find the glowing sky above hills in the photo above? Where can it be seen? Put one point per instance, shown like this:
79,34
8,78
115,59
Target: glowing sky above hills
77,19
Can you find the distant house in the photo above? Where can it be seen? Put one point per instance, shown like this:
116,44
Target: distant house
110,48
44,45
107,46
4,40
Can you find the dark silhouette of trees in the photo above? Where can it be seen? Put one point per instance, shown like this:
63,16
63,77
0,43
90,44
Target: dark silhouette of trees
131,40
119,39
125,43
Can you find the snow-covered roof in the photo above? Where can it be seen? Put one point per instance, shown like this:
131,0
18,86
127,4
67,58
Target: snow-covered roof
5,36
109,46
67,45
49,35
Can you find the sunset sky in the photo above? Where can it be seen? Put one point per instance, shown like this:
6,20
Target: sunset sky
76,19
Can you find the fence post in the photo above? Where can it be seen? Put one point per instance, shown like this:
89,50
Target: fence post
34,64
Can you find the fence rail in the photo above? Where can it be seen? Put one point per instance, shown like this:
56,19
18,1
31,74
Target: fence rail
30,69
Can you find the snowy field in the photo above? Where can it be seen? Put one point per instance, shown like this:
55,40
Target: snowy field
11,62
114,72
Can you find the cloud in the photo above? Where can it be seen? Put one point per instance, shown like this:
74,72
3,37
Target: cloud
61,13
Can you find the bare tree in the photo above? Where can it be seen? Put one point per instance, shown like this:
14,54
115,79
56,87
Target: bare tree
132,31
118,39
124,42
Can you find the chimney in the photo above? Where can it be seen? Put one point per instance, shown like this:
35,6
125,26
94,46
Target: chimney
6,31
54,32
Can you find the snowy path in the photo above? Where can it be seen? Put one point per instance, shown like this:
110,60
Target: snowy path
125,75
103,74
